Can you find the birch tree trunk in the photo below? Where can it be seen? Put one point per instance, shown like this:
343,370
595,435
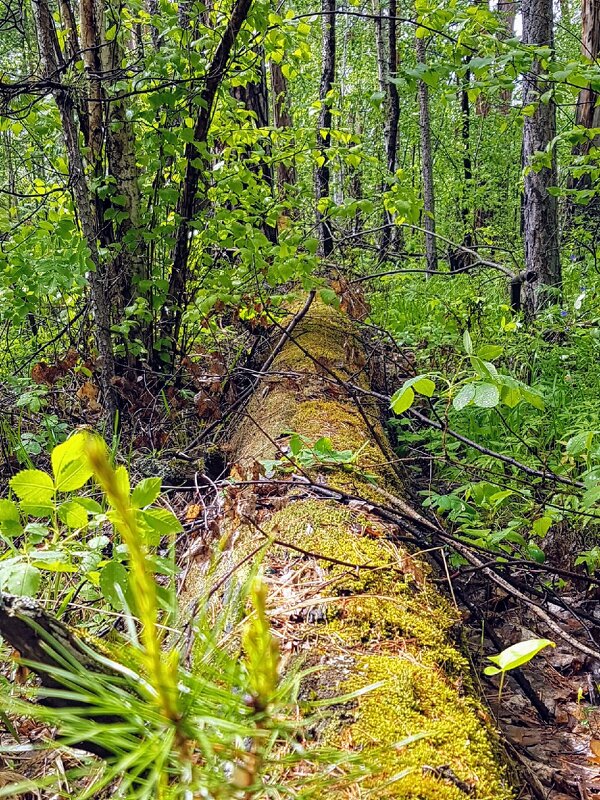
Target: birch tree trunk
322,173
540,212
426,165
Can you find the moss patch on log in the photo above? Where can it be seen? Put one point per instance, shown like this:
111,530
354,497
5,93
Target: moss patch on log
378,621
397,628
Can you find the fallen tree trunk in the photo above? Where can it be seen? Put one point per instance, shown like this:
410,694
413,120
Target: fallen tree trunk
343,592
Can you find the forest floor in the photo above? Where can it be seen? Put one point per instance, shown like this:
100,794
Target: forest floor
180,433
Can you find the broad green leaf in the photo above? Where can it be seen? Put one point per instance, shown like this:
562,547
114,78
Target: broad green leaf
146,492
490,351
329,297
114,575
533,398
424,386
161,521
516,655
467,343
536,553
73,514
20,578
9,511
486,395
402,400
33,487
70,464
464,396
541,526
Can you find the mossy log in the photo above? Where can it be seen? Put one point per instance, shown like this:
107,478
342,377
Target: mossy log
380,622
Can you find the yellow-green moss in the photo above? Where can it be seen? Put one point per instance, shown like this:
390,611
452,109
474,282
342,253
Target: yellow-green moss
397,628
387,624
454,759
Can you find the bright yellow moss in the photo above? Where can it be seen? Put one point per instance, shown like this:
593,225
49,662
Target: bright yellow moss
398,630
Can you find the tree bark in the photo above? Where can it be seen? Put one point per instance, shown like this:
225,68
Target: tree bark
174,307
426,165
587,113
286,173
51,60
540,212
390,133
322,175
343,593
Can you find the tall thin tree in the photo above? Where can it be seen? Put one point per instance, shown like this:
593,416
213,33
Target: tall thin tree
426,164
587,113
390,132
322,174
540,213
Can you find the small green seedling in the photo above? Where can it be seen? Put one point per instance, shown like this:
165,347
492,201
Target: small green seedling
515,656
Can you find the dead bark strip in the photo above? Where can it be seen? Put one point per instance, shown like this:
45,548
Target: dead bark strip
343,594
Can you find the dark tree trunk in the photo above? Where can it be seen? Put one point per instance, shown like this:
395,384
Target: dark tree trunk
540,214
426,166
286,173
52,67
391,124
467,163
322,175
255,97
174,307
588,112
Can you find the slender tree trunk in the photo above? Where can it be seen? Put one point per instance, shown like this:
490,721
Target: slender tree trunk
255,97
390,132
467,163
130,264
540,214
507,9
426,166
51,58
322,175
174,307
588,111
286,173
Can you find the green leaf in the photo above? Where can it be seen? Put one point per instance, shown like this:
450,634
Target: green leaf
464,396
486,395
467,343
329,297
490,351
9,511
33,487
146,492
161,521
424,386
541,526
70,464
114,577
402,400
20,578
516,655
536,553
73,514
